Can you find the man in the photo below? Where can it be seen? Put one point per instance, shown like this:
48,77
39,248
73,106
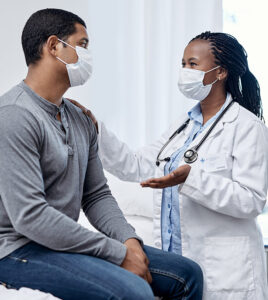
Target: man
49,168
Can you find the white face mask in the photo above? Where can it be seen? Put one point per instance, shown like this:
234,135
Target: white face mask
80,71
191,83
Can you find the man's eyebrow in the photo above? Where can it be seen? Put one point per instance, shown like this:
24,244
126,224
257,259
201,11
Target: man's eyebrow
84,39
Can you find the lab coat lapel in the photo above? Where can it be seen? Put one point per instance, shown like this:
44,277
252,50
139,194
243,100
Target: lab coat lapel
228,117
178,142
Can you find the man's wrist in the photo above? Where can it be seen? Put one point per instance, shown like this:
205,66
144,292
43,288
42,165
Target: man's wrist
131,242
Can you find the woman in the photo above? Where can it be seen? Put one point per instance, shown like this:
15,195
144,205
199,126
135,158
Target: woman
207,210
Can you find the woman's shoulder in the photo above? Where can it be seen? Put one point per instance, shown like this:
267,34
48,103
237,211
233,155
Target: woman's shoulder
247,117
248,124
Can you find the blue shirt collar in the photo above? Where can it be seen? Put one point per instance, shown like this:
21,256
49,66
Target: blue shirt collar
195,114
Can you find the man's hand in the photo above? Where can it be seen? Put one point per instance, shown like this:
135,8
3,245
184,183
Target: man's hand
176,177
136,261
86,112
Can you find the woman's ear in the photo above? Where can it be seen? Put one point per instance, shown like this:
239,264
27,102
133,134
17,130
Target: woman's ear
222,73
53,45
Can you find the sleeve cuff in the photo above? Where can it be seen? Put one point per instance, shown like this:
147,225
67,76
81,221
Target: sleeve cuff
188,187
135,237
118,255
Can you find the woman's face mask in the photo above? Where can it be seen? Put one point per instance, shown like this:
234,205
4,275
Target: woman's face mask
191,85
80,71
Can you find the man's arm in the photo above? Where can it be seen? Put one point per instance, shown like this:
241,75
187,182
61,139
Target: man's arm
23,195
98,203
103,212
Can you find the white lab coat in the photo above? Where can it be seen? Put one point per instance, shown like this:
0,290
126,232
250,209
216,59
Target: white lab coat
219,201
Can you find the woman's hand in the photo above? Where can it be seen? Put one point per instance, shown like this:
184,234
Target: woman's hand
176,177
86,112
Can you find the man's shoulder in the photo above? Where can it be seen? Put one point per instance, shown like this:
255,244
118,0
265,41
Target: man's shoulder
13,113
17,98
17,102
11,97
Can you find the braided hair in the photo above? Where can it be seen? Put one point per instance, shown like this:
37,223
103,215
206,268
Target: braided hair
240,83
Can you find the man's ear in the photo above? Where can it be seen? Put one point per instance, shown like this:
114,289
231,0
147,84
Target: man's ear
222,73
53,45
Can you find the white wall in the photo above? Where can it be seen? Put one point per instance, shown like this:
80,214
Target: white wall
137,47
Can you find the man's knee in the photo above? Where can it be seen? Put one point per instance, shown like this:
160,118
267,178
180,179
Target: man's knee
193,276
138,289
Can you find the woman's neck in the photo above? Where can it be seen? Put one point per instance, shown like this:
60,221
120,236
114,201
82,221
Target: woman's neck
212,104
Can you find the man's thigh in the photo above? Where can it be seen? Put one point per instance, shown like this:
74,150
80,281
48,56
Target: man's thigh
70,276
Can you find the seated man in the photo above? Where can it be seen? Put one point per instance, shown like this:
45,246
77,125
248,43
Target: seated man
49,168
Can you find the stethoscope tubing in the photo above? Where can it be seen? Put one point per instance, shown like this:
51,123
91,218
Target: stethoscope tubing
178,131
194,149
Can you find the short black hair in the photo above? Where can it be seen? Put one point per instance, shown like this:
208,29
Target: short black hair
41,25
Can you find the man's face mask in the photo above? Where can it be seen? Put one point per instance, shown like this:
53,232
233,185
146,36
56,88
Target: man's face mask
191,83
80,71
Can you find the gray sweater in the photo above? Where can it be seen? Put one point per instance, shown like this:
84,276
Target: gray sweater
48,171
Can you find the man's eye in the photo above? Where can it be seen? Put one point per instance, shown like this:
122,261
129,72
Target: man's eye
183,64
84,45
192,64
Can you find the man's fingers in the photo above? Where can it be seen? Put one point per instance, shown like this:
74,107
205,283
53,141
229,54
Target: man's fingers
149,277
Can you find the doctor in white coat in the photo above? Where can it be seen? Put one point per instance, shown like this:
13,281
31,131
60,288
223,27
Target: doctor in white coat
207,209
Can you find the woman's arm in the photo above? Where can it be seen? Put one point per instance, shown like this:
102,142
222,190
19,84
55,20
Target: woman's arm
121,161
243,195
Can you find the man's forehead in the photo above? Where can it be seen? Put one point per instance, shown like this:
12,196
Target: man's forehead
81,33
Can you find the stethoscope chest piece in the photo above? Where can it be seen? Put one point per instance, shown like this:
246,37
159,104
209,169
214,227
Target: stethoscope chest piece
190,156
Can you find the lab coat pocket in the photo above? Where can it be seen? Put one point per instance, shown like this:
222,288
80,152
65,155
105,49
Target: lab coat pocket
216,163
228,264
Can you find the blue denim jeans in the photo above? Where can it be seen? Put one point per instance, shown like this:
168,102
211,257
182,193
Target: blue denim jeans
71,276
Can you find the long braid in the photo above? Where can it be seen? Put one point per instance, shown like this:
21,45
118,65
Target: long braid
240,83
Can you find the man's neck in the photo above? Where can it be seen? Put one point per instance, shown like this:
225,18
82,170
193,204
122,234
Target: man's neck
46,84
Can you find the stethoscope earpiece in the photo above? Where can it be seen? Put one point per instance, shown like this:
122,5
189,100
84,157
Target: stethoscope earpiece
167,159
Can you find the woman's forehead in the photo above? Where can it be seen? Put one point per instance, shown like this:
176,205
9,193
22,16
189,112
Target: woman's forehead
199,49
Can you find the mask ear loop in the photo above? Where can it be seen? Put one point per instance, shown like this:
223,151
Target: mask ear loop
69,46
214,81
217,79
61,60
66,44
212,69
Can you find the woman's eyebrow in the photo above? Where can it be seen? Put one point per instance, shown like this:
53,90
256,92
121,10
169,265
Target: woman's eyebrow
193,58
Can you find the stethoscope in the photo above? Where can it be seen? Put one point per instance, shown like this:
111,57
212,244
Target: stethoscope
190,155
